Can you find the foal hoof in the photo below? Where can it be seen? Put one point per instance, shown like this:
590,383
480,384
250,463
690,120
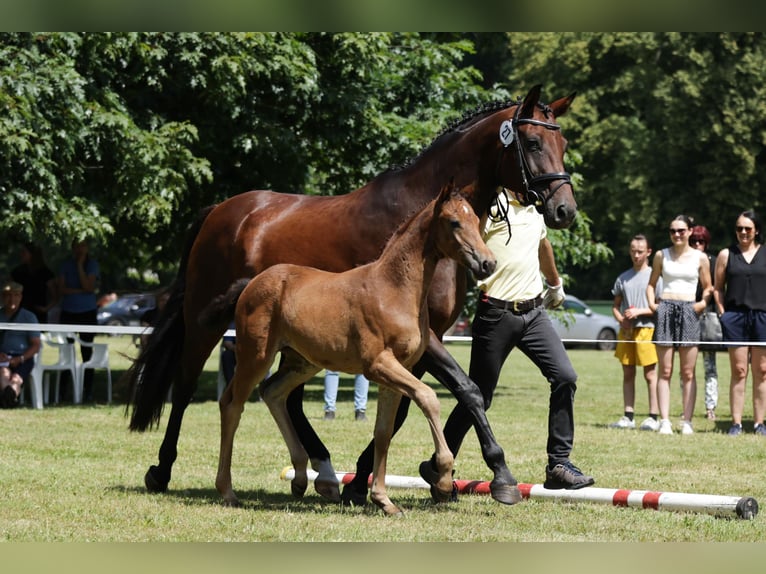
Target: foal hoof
298,490
439,496
328,489
353,497
153,483
505,493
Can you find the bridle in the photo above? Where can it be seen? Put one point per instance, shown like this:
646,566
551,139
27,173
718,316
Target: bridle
509,134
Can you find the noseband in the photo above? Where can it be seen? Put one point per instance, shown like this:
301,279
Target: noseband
509,133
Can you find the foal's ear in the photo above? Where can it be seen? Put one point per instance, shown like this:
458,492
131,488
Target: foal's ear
447,191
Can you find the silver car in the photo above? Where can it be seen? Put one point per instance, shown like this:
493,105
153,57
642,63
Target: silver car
577,324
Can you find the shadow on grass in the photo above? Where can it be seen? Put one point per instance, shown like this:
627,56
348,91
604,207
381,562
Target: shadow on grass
260,499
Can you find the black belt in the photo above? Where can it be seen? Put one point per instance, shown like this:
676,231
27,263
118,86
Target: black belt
516,307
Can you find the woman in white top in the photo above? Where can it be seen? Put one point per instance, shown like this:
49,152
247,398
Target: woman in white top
680,267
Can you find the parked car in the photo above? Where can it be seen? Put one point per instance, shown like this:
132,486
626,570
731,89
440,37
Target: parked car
577,324
126,309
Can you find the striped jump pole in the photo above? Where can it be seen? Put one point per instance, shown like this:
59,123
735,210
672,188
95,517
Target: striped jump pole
742,507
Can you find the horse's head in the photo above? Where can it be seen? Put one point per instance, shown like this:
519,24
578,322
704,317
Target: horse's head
531,163
457,234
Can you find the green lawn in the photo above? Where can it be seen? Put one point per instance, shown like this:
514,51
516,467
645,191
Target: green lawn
75,473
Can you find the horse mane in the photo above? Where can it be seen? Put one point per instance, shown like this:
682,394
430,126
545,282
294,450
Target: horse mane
466,120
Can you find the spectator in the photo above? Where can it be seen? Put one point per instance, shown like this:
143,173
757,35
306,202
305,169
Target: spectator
361,387
740,294
634,341
700,239
38,281
17,348
77,283
677,323
510,313
228,354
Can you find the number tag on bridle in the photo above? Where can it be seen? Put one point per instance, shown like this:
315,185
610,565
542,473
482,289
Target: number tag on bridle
506,133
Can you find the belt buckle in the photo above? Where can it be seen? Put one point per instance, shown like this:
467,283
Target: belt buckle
515,307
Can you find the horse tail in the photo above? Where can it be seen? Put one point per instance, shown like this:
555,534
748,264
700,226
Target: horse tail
150,376
220,311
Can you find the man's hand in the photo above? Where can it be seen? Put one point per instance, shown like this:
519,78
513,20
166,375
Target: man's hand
553,296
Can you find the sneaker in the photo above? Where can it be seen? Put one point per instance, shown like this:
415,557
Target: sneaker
735,430
760,429
650,424
360,416
567,476
623,423
666,427
329,415
686,427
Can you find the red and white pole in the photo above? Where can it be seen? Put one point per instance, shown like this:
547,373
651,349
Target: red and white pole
743,507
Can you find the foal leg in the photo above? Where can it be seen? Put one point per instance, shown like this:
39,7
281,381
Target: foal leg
293,372
388,403
231,405
386,370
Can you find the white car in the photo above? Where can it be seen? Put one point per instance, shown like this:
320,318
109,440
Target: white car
577,324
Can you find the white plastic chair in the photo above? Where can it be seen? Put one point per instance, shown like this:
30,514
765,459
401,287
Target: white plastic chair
98,360
39,385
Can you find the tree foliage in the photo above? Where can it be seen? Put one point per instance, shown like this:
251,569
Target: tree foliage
666,123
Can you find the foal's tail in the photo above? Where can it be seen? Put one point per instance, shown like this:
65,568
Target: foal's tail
156,367
220,311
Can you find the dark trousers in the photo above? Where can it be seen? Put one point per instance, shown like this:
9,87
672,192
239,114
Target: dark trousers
496,333
84,318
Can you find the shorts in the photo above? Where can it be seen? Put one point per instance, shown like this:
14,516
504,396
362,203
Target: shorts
677,324
744,326
635,347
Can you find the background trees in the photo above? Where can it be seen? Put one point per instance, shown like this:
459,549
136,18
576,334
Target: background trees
125,136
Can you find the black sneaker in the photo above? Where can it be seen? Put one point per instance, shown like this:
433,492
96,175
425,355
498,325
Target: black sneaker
566,475
360,416
735,430
329,415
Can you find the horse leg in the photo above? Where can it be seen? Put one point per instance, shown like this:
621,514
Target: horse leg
293,372
388,404
232,403
445,369
195,354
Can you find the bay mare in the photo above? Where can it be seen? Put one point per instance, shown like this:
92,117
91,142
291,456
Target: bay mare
516,145
372,319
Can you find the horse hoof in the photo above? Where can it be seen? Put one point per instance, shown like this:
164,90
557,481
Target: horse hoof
232,503
353,497
328,489
298,490
153,483
505,493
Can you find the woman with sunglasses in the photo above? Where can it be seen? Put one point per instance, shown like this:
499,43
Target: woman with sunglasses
681,268
740,295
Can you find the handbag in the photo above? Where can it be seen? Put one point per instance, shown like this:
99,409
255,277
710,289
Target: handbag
710,331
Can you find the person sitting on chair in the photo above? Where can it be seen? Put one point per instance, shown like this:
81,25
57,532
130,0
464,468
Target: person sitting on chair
17,348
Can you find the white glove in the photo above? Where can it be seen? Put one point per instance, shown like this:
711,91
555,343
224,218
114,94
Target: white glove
553,296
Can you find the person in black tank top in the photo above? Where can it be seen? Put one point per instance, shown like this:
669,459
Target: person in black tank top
740,296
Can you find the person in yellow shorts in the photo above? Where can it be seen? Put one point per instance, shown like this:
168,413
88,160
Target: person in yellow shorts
634,341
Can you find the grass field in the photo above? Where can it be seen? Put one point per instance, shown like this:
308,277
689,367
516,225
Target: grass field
75,473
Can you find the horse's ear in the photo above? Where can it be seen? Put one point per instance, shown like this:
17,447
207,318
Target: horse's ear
528,106
561,106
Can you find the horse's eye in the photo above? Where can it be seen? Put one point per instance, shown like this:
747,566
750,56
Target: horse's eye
455,224
533,145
